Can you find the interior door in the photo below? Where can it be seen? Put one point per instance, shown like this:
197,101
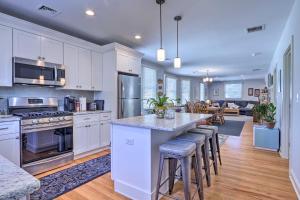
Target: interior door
26,45
71,66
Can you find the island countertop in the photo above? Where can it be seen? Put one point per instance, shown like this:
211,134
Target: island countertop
15,183
180,121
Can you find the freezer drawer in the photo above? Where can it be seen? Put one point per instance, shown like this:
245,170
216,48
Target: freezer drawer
129,108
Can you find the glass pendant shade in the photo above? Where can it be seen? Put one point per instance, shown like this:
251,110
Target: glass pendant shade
161,55
177,62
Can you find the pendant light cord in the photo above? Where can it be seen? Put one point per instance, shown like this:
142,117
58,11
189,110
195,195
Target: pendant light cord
160,25
177,38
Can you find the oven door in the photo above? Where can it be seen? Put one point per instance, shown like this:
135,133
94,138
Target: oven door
45,143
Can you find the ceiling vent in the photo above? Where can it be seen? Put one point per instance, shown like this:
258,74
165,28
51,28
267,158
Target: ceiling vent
46,10
256,28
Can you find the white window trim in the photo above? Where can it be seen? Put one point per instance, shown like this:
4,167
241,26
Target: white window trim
165,83
242,88
185,79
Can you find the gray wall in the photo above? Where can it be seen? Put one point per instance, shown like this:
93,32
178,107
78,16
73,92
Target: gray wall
220,85
35,91
292,28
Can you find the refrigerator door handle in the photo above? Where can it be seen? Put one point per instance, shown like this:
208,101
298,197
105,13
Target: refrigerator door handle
122,109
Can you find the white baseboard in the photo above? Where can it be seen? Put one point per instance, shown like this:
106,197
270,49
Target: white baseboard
296,183
90,152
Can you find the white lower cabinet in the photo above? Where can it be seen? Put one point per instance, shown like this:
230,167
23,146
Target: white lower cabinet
90,132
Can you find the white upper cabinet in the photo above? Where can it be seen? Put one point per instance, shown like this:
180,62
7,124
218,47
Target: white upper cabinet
128,64
27,45
84,69
97,71
32,46
52,50
71,66
78,66
5,56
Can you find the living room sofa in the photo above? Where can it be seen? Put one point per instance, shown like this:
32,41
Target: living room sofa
241,103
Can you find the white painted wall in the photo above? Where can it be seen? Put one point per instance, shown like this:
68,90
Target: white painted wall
292,29
255,83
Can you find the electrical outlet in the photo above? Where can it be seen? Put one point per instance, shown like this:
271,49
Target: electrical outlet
297,98
130,142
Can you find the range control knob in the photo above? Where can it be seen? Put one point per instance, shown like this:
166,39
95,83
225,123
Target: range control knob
61,118
51,119
35,121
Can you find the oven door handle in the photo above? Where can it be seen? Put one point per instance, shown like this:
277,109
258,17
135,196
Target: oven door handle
30,129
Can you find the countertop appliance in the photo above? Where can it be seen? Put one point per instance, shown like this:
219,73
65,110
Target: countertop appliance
38,72
129,96
99,104
70,103
82,101
46,133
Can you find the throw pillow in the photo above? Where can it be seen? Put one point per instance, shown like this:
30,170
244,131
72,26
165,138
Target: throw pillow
216,105
231,105
250,106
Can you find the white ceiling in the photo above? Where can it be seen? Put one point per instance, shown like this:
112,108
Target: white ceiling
212,32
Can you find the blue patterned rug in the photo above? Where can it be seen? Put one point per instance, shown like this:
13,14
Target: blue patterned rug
66,180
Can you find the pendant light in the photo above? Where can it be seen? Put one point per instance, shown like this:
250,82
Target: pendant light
160,54
207,79
177,60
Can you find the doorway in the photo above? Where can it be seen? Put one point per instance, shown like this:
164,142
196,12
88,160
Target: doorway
287,98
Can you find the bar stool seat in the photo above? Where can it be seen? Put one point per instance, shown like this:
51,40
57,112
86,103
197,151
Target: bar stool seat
177,148
208,133
190,137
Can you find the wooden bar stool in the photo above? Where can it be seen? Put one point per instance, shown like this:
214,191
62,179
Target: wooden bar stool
216,132
182,151
210,143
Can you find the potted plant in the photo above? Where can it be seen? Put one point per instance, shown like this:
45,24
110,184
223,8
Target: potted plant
159,105
270,115
259,112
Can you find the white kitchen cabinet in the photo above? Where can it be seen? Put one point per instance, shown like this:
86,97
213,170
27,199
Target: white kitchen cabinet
94,136
10,141
71,66
97,71
26,45
80,139
78,66
32,46
105,133
128,64
84,69
52,50
5,56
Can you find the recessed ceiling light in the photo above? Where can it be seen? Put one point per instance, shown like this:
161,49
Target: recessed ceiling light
137,37
90,12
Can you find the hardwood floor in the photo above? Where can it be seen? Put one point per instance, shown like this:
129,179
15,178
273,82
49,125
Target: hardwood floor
246,174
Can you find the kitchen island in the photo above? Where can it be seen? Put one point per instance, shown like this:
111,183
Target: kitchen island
135,151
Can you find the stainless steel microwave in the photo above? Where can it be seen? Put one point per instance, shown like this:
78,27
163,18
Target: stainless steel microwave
38,72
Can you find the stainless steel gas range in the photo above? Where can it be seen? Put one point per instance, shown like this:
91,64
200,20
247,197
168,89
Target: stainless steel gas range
46,133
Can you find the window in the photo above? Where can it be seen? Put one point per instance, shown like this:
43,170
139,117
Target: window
185,91
233,91
202,92
171,88
149,85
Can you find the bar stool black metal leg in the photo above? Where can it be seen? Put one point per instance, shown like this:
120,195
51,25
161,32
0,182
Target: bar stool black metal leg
160,170
172,173
218,148
205,154
198,173
186,175
213,154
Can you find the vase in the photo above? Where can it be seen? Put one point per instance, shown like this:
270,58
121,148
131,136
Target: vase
270,125
160,113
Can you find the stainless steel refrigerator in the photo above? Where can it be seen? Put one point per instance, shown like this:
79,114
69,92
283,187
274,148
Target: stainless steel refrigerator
129,96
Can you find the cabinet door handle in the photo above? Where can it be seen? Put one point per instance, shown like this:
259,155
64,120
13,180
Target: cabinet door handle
2,129
87,118
17,138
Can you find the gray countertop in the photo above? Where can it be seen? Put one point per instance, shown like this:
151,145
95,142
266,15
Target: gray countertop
181,120
8,118
91,112
15,183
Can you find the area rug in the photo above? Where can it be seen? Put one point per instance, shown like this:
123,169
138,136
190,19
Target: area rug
231,127
66,180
